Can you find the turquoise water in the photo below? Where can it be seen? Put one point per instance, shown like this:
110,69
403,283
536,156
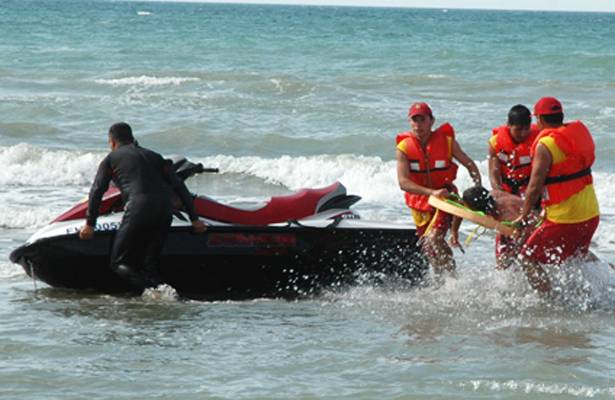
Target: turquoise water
299,77
280,98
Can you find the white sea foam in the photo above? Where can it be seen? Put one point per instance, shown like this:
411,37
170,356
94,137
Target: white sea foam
9,270
278,85
144,13
437,76
27,165
509,293
371,178
37,184
481,296
526,387
161,293
23,216
147,81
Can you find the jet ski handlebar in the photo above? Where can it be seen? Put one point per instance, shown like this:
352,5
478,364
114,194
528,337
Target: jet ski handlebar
185,168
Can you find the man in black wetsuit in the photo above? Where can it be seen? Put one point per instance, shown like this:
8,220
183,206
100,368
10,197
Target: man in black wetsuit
147,182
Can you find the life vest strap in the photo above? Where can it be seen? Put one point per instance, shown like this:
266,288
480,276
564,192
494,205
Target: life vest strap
565,178
514,167
515,184
426,171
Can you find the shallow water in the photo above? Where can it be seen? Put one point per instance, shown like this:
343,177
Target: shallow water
281,98
365,342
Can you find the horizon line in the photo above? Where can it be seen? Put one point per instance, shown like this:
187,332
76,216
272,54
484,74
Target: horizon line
336,4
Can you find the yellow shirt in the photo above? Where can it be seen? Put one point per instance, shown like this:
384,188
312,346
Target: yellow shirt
403,146
492,141
577,208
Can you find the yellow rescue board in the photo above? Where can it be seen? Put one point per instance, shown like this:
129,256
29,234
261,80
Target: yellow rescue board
465,213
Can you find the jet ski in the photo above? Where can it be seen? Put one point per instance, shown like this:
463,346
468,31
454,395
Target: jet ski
292,245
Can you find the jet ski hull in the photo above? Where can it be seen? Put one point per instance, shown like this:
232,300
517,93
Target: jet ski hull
231,262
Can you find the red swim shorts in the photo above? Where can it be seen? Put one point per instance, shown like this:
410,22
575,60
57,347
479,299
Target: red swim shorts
553,243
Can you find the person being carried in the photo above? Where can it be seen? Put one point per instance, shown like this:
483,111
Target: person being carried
563,154
425,167
510,166
147,183
503,207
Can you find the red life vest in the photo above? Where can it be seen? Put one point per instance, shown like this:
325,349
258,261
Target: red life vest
571,175
515,158
433,167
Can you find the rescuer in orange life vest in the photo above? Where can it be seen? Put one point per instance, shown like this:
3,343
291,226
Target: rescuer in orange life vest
425,167
562,156
510,164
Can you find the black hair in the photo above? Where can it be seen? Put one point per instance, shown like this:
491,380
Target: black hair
121,133
519,115
554,119
479,199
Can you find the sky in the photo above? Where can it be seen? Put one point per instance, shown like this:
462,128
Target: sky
551,5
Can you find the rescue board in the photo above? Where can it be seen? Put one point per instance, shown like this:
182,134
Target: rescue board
459,210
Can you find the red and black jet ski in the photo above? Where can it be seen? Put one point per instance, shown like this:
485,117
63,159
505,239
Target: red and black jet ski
291,246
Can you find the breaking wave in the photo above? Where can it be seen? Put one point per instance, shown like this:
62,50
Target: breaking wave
527,388
146,81
374,179
27,165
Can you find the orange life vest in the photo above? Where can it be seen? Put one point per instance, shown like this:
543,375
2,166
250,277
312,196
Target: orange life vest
515,158
433,167
571,175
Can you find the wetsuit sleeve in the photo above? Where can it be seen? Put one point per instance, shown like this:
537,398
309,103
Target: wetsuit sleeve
179,187
99,187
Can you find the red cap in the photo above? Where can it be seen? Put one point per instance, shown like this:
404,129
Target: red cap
419,109
547,106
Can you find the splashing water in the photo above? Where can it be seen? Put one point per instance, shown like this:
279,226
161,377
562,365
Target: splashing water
161,293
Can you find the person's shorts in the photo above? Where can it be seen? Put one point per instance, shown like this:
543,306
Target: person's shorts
553,243
426,221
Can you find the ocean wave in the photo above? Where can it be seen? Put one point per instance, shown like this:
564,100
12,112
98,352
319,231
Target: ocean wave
436,76
27,165
145,80
287,85
527,388
22,216
369,177
66,174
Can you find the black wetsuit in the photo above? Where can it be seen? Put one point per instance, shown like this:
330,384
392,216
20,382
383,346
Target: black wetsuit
147,183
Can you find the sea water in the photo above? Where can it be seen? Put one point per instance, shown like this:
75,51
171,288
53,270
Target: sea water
280,98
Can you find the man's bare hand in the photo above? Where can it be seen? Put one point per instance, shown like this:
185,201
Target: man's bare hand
440,193
86,233
198,226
